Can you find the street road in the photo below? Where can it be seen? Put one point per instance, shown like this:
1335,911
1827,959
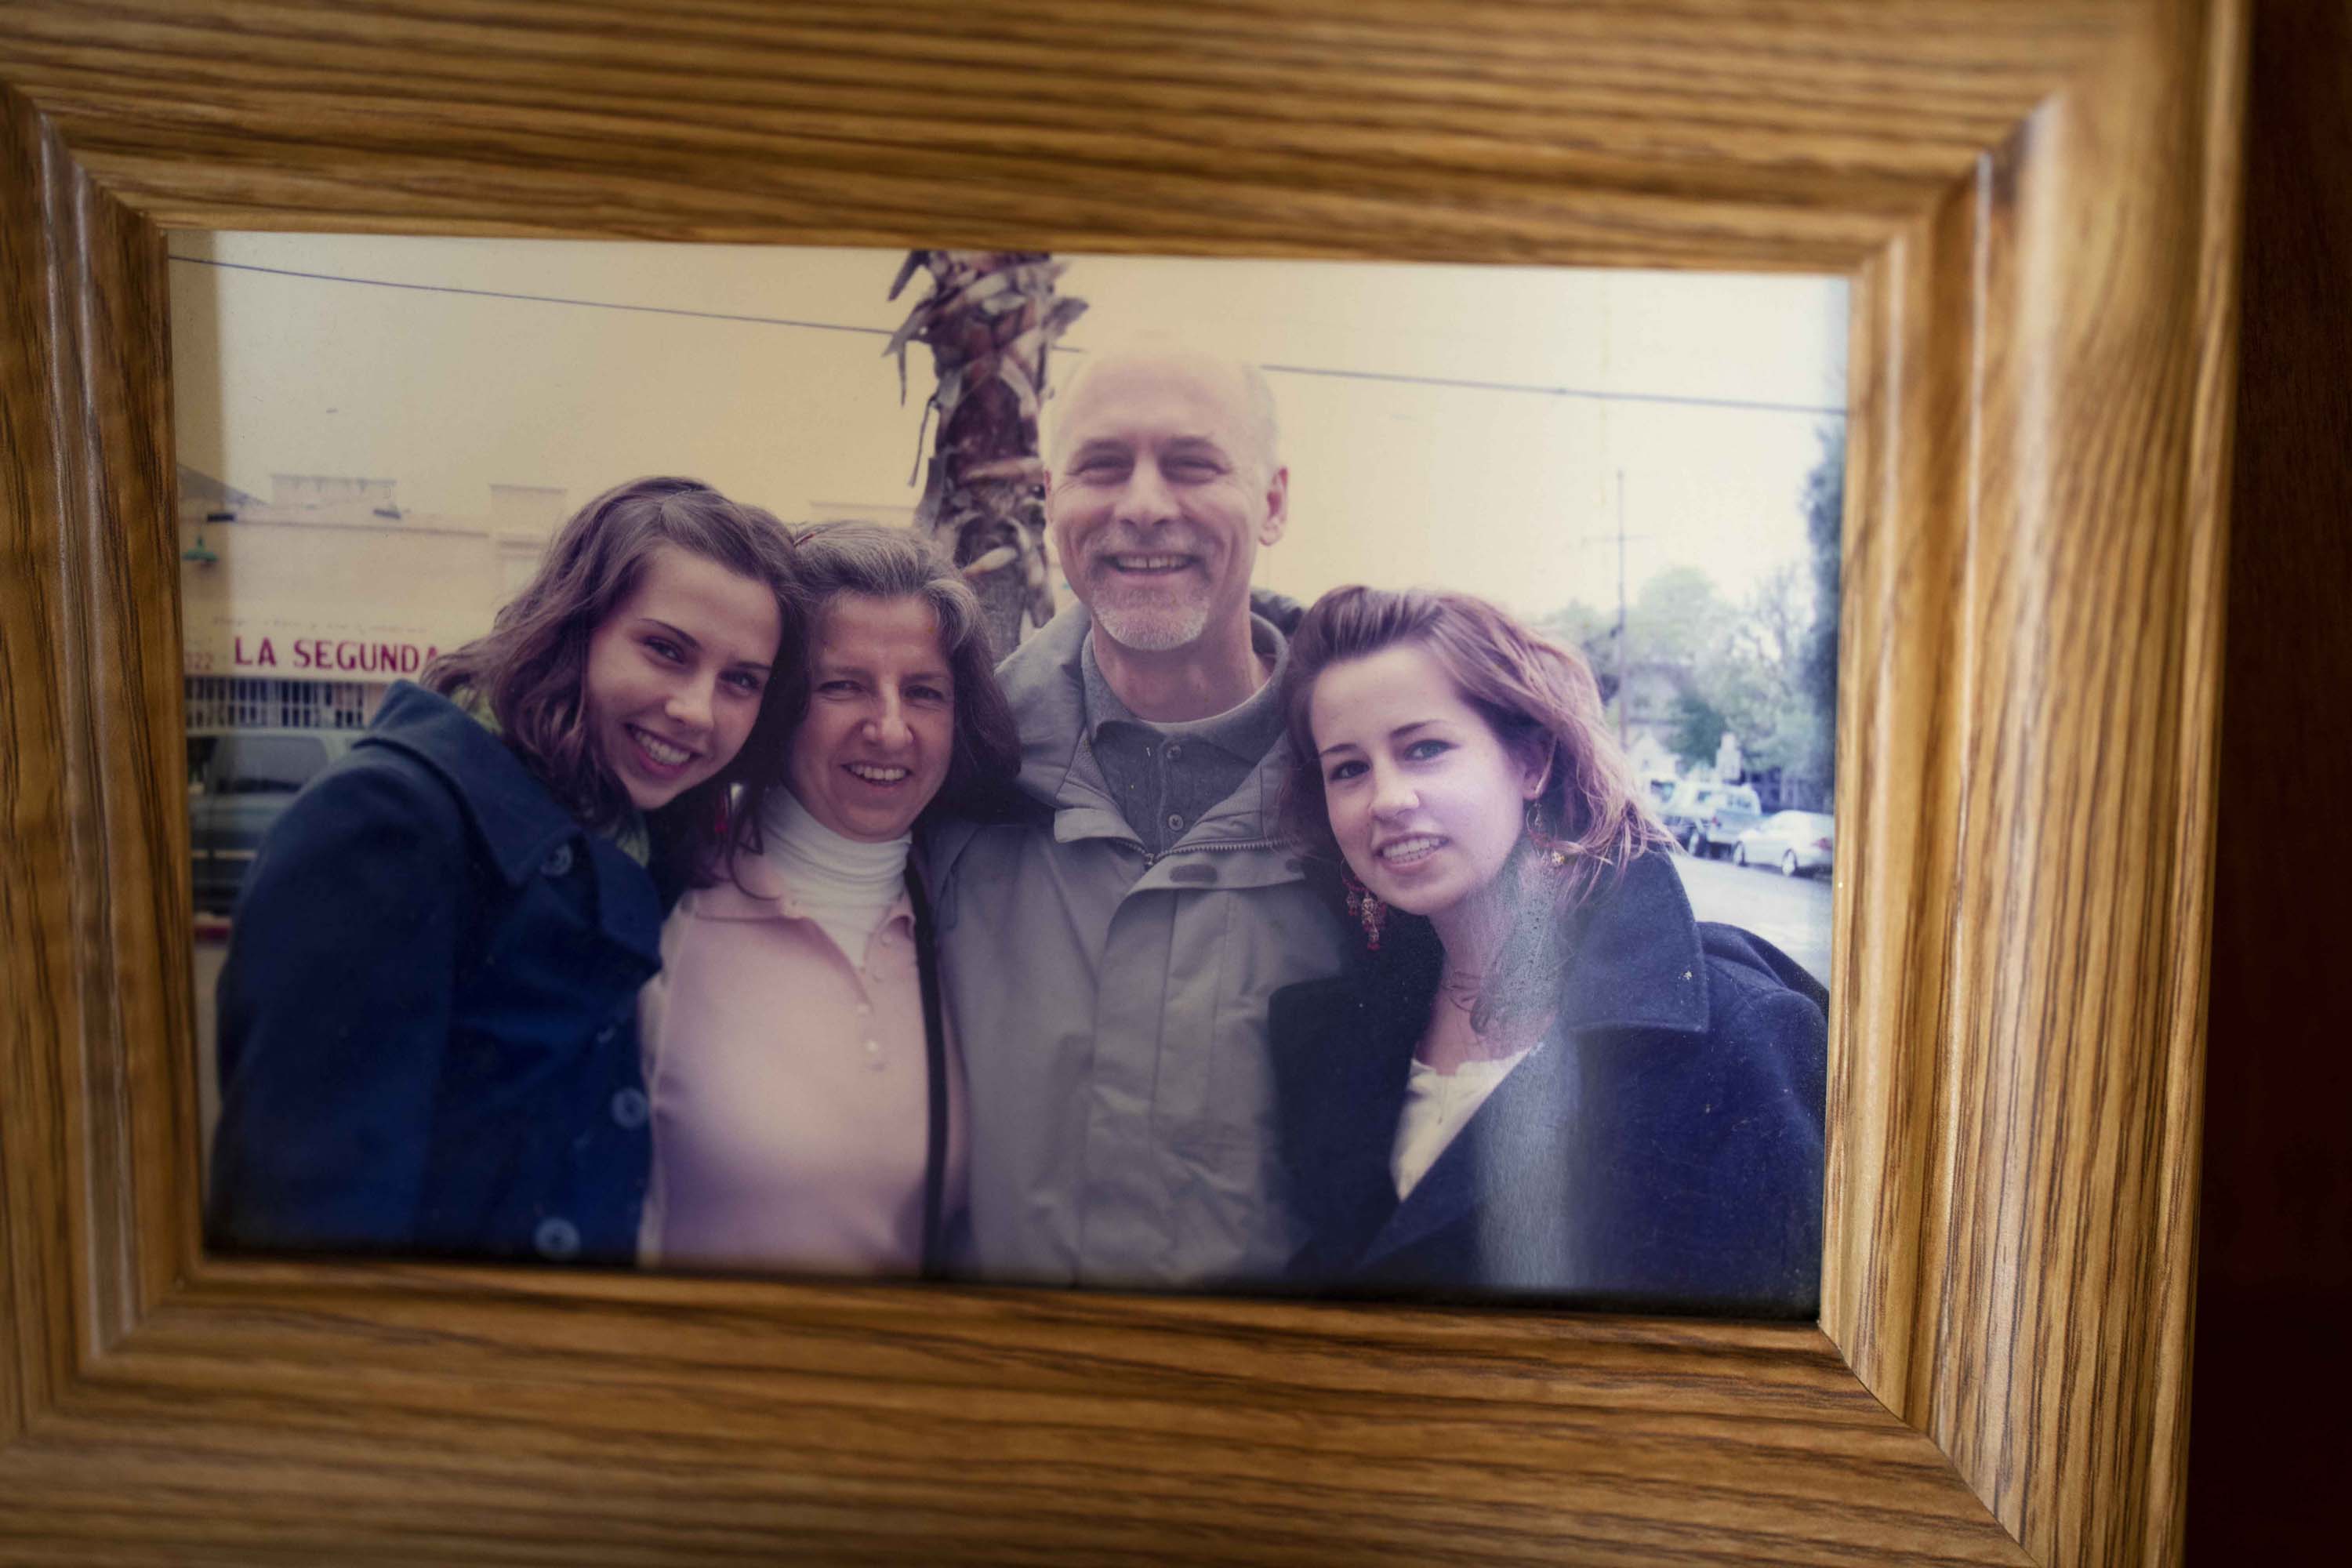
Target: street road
1792,914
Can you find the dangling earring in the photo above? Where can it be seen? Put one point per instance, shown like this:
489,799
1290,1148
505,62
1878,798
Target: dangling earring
1364,905
1553,849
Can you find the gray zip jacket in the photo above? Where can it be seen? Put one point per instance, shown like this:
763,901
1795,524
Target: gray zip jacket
1112,1007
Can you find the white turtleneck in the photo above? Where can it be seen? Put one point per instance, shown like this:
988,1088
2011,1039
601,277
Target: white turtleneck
843,884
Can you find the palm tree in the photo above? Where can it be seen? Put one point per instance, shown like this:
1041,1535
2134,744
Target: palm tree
991,320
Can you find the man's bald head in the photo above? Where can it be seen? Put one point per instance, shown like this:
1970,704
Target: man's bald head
1253,396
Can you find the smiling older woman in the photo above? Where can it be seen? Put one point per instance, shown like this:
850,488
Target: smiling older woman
807,1100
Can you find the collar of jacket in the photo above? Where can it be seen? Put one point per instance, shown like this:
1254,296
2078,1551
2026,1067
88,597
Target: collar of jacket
1638,962
1045,684
518,822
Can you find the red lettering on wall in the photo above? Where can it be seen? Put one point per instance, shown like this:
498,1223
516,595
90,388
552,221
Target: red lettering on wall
386,660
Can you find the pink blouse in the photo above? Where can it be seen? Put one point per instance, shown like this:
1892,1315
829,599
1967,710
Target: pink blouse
790,1090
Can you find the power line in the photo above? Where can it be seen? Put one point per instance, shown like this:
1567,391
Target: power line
536,299
1395,378
1542,391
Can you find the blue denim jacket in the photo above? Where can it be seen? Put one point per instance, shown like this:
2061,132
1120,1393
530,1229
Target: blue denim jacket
428,1011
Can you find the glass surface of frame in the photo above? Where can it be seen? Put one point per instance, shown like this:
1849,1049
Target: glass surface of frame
1616,739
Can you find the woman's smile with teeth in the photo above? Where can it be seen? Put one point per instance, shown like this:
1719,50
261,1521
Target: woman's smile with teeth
1413,848
669,753
874,773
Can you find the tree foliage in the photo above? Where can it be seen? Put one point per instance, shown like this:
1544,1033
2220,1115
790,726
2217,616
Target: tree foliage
1590,633
1824,504
1698,730
990,321
1677,618
1764,668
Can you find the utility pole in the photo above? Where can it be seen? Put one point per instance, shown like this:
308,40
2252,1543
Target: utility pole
1624,663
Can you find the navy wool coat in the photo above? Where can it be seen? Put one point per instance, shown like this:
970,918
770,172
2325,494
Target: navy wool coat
428,1011
1662,1149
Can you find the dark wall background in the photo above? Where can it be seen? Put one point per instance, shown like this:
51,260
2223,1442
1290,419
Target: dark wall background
2272,1393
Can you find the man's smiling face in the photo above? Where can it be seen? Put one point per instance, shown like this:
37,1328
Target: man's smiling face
1164,489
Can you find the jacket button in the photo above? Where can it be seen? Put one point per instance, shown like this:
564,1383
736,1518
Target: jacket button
556,1237
604,1036
558,861
630,1109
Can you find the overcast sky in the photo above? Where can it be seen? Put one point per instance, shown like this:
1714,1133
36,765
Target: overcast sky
1464,425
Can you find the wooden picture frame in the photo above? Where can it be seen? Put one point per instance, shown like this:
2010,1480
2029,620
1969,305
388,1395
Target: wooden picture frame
2036,203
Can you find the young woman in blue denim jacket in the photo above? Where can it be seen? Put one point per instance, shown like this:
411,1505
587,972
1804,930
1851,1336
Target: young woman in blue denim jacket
427,1012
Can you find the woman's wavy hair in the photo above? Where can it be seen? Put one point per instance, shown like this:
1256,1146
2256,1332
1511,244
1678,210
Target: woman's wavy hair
531,669
834,560
1540,700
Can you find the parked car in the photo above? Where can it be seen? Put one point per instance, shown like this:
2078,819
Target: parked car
1706,817
1798,842
238,781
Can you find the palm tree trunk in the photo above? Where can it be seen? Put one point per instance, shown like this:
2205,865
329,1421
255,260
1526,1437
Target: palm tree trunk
990,321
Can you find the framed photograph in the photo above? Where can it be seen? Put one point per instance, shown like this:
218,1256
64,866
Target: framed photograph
2023,220
1641,468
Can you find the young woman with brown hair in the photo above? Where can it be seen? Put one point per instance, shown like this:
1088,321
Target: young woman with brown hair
427,1012
1545,1078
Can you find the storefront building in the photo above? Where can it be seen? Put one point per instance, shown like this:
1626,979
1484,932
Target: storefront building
299,611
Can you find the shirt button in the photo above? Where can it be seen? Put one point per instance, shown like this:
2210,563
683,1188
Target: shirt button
1174,751
630,1109
558,861
865,1009
1175,821
556,1237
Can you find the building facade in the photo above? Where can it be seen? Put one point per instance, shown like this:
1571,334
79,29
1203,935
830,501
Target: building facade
299,611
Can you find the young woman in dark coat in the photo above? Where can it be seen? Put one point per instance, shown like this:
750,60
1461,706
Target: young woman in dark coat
1545,1079
427,1012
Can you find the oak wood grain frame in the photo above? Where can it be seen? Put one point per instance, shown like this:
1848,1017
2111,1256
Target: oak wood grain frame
2037,206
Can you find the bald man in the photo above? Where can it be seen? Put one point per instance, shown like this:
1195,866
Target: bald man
1108,962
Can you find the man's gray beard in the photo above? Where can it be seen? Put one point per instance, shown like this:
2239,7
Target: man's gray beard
1158,628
